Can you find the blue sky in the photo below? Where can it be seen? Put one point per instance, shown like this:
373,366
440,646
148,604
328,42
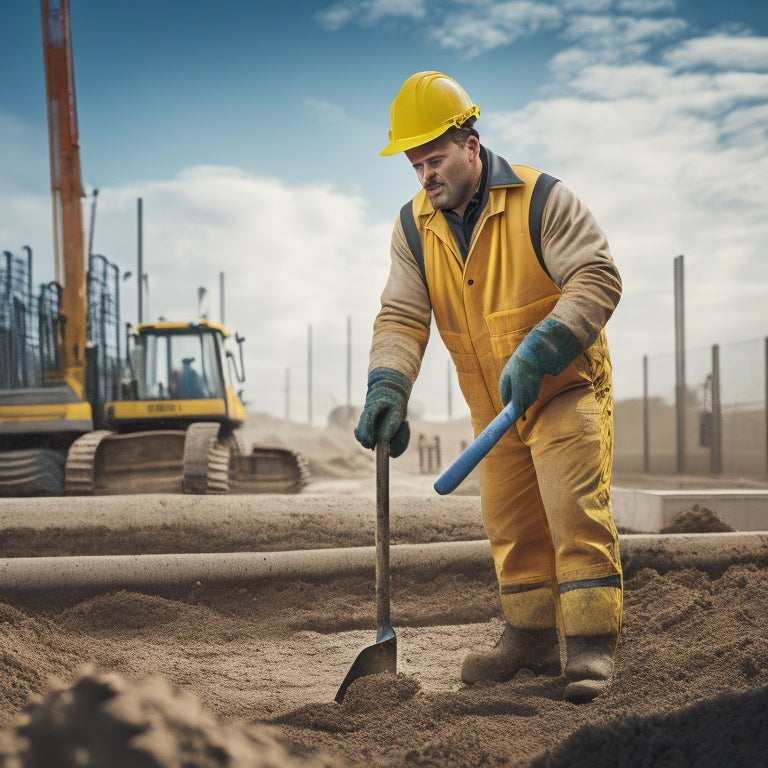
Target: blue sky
251,133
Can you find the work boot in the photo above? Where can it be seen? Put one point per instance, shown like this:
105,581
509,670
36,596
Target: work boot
537,650
589,666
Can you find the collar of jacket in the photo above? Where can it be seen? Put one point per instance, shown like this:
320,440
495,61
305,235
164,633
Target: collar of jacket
500,174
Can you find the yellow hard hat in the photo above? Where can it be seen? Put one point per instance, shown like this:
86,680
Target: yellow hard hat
428,104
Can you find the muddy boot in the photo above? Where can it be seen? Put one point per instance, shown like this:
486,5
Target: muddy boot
589,666
537,650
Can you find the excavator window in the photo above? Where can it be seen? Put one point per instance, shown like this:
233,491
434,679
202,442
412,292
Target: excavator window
181,365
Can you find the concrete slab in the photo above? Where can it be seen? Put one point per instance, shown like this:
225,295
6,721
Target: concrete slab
647,511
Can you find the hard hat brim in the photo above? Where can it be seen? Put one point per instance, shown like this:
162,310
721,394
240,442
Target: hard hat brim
410,142
403,145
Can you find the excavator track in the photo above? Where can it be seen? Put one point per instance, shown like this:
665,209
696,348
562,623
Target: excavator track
31,472
108,463
80,469
203,459
206,461
269,469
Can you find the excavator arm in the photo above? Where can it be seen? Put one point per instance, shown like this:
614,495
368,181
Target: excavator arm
67,191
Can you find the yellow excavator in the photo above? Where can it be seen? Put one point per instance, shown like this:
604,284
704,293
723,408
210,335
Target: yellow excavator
71,421
174,430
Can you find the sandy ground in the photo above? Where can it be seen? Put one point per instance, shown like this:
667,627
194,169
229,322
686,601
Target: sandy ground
246,674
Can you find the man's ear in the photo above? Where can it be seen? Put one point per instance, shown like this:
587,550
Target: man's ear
473,144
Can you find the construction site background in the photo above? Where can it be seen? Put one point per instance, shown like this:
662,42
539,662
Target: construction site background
724,416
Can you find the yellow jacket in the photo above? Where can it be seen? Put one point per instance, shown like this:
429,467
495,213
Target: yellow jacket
484,305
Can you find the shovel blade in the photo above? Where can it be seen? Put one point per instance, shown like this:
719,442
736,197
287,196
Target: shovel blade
381,657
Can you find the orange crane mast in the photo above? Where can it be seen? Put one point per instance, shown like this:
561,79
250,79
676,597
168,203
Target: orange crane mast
67,190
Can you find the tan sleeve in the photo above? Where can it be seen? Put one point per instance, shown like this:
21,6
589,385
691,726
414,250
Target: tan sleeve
401,328
578,259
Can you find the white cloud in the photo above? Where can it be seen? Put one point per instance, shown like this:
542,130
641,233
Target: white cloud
621,38
469,27
721,51
586,6
490,25
646,6
748,126
368,12
325,111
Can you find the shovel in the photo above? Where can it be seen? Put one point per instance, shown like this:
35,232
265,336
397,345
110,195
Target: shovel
482,444
381,657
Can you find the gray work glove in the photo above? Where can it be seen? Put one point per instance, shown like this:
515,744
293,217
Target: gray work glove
383,416
548,348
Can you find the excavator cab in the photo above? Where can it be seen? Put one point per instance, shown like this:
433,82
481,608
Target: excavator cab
179,373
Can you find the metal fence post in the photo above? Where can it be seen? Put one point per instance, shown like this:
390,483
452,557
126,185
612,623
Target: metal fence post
646,419
765,364
680,389
716,449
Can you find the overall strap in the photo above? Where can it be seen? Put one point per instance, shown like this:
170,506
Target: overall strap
412,237
541,190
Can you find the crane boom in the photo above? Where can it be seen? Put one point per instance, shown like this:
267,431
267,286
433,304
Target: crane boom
67,190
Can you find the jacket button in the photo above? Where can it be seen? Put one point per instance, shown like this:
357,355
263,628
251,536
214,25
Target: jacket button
470,282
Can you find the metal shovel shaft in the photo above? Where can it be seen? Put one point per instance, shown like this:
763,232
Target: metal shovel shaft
381,657
382,541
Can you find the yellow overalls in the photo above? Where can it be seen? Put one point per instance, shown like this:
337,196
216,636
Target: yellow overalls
545,487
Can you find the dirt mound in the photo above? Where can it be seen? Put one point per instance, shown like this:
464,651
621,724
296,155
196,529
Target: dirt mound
101,720
697,520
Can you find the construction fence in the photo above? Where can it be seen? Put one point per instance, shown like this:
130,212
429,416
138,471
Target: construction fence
28,324
31,324
716,422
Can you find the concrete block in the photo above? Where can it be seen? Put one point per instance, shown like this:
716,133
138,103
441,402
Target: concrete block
647,511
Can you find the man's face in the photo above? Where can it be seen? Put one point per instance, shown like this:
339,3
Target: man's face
449,173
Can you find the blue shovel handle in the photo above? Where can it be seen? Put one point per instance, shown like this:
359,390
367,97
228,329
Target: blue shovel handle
482,444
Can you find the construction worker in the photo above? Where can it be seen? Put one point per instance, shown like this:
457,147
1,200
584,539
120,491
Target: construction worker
189,384
521,283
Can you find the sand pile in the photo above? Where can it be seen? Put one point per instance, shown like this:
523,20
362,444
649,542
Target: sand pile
102,720
698,519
